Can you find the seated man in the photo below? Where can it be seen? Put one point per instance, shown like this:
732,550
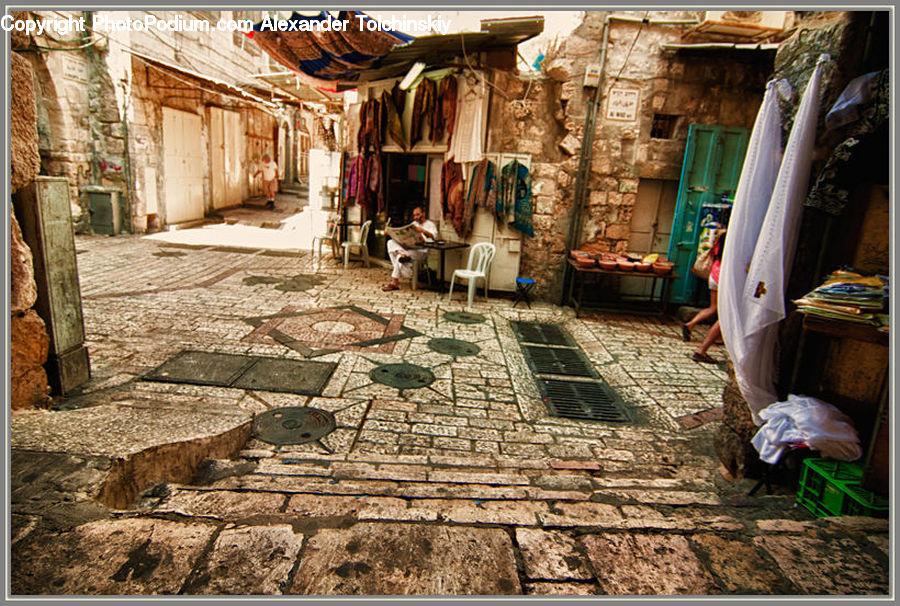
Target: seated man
402,258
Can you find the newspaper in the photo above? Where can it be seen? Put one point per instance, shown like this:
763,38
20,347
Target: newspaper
405,235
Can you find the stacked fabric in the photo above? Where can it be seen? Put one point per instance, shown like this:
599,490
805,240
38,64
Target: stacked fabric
849,296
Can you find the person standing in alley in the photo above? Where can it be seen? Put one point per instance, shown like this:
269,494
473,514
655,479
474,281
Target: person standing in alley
400,257
700,354
269,171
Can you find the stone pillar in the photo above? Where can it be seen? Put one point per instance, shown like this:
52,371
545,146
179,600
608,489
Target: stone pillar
29,341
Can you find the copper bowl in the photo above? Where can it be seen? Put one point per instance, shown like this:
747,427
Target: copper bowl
643,266
585,262
626,265
607,264
662,268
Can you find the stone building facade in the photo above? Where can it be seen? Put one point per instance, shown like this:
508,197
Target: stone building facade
101,99
545,116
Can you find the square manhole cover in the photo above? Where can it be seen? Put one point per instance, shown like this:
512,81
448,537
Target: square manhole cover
558,361
304,377
582,400
201,368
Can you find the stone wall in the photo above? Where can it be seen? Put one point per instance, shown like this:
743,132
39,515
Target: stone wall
29,341
545,117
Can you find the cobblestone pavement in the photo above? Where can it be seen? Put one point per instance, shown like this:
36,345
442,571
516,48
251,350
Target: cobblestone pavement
464,486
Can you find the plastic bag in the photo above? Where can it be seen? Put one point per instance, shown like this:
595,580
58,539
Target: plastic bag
810,421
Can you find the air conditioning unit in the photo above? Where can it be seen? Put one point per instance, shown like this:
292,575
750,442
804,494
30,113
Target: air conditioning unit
754,25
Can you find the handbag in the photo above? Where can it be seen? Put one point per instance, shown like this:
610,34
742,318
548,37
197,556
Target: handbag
703,264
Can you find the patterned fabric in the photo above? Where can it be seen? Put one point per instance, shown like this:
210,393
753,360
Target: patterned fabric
393,123
515,191
423,110
328,55
448,93
483,185
831,191
452,197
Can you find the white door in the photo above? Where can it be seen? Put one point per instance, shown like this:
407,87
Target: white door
183,166
226,147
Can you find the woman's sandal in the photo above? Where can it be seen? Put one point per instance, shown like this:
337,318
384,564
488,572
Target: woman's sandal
705,358
389,287
685,333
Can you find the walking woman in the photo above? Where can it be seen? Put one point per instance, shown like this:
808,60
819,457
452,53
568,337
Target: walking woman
700,355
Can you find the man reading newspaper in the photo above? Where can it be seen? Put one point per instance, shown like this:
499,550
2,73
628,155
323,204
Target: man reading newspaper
401,247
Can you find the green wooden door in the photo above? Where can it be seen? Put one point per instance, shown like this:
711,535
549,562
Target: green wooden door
709,176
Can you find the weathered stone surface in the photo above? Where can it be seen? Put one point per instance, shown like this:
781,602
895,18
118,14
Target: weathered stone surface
740,567
581,514
28,349
224,505
390,559
22,288
352,508
126,556
829,568
248,561
732,439
488,512
551,555
24,160
560,589
646,565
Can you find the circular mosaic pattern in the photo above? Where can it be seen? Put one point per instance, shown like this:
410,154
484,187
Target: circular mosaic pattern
402,376
333,328
453,347
464,317
293,425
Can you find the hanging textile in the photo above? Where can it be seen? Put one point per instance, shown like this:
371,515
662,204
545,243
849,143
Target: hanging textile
393,122
322,56
483,185
423,109
361,133
452,200
467,144
351,130
447,95
357,180
514,199
374,185
843,168
398,95
751,295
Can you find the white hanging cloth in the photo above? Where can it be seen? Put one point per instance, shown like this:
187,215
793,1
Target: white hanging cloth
467,143
751,200
754,300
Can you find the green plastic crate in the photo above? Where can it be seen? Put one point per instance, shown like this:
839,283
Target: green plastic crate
832,488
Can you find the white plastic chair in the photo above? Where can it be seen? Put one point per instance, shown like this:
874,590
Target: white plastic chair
330,236
360,244
480,257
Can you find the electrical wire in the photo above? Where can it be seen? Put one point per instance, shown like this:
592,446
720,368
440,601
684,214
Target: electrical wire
628,55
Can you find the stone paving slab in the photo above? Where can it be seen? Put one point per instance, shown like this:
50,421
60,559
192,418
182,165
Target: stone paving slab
400,559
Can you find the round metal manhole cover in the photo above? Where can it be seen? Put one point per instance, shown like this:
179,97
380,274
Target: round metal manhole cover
453,347
402,376
293,425
464,317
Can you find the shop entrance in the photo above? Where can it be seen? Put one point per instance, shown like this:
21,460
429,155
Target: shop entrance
405,187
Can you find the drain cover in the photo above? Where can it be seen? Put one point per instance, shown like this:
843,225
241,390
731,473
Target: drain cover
588,401
558,361
464,317
402,376
293,425
542,332
453,347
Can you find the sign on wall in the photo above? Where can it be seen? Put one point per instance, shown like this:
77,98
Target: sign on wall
623,104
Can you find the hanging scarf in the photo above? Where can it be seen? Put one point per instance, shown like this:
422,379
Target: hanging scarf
374,185
452,196
515,193
483,186
393,122
447,95
398,96
423,109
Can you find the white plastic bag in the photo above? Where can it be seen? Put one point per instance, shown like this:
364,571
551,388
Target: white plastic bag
809,421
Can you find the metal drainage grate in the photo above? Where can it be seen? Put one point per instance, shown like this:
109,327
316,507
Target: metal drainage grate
402,376
588,401
293,425
558,361
453,347
541,332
